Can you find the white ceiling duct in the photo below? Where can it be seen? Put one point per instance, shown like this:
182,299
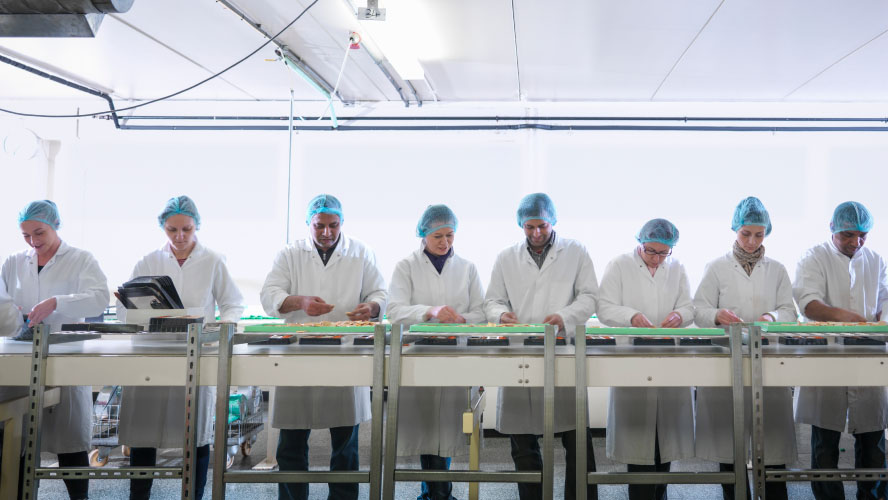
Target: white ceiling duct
56,18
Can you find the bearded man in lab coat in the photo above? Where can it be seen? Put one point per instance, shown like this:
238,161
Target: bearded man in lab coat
543,279
839,280
326,277
648,428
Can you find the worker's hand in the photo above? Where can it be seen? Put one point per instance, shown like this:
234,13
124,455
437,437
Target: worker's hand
673,320
42,310
726,317
554,319
364,311
508,317
639,320
847,316
766,318
313,306
446,314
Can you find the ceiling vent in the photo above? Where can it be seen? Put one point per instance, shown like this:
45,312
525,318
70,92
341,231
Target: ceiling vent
56,18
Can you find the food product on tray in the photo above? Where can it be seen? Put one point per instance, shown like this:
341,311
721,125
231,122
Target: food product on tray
331,323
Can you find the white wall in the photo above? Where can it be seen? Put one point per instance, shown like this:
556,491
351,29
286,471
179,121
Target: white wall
110,185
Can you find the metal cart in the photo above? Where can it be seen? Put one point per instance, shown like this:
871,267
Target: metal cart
245,421
105,425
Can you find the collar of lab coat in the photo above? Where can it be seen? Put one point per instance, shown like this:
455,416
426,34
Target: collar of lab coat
196,252
832,246
341,248
63,249
638,260
557,247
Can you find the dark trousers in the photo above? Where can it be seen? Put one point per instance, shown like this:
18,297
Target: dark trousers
78,489
292,455
773,490
140,489
649,491
526,455
869,453
435,490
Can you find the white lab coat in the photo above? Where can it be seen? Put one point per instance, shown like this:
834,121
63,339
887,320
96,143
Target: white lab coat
726,285
637,415
430,418
858,284
565,285
74,278
154,417
350,277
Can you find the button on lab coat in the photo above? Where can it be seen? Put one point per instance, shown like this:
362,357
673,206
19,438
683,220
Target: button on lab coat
154,417
74,278
565,285
857,284
350,277
726,285
636,415
430,418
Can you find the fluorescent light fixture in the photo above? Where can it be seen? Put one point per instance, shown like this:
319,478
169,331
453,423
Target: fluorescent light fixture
398,36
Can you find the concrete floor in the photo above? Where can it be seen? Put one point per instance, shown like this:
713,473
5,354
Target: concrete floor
495,456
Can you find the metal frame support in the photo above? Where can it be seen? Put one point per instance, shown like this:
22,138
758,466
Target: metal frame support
549,413
581,396
192,386
376,410
223,384
39,352
758,423
391,423
736,333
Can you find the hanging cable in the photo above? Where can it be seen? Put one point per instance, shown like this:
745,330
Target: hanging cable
174,94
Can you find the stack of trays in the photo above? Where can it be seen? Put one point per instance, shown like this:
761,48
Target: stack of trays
652,336
102,327
172,324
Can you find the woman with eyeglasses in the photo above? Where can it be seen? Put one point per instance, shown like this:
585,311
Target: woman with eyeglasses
648,428
745,286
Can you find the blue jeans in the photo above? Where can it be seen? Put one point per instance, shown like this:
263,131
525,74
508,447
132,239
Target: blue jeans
869,453
292,455
435,490
526,455
140,489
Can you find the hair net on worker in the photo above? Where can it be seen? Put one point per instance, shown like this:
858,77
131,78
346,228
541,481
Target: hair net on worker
179,205
324,204
659,231
43,211
851,216
751,212
536,206
434,218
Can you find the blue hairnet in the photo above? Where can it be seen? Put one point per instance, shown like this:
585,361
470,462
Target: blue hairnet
43,211
536,206
751,212
324,204
852,216
179,205
659,231
434,218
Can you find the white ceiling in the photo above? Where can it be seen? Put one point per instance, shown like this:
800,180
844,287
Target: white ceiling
491,50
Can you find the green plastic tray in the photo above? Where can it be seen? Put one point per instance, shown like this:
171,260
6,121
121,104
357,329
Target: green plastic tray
469,329
802,328
280,328
658,332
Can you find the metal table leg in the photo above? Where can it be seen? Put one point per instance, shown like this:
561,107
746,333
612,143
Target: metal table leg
391,423
376,410
581,396
758,422
192,381
549,413
736,333
223,383
40,349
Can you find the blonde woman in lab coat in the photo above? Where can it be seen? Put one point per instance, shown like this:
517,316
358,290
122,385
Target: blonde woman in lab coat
55,283
154,417
434,284
745,286
326,277
647,428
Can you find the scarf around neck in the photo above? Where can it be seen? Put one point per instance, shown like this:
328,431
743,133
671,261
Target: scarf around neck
746,259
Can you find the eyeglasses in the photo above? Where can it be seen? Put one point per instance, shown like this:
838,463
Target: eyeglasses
650,251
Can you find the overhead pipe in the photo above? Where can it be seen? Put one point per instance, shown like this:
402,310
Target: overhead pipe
520,126
67,83
519,118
